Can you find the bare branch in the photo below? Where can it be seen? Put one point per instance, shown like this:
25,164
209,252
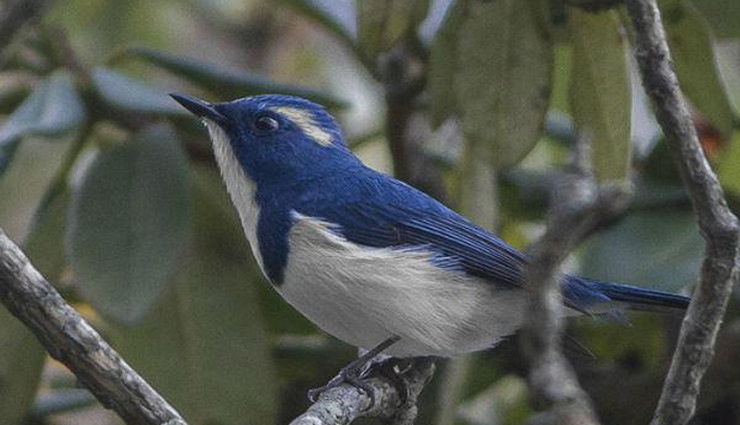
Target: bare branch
345,403
577,206
71,340
717,224
15,14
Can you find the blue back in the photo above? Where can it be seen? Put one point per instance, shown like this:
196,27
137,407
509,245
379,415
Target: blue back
306,167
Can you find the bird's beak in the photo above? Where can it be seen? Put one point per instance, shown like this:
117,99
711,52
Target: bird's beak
199,107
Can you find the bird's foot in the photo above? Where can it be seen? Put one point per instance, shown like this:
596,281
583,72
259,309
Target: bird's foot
393,369
355,372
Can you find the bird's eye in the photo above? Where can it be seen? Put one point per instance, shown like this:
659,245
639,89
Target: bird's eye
266,123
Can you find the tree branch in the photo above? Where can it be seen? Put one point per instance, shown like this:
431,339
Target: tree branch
577,206
343,404
14,15
71,340
718,225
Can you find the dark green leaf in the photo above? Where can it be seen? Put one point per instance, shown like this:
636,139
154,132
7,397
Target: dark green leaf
600,91
228,82
502,77
129,223
44,244
660,249
21,361
723,16
131,95
205,345
692,50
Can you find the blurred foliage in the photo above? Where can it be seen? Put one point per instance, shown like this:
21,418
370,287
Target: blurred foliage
113,190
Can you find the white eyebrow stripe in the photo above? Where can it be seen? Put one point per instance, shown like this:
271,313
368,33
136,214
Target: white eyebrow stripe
305,121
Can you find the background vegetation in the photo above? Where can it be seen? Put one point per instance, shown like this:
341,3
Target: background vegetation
114,193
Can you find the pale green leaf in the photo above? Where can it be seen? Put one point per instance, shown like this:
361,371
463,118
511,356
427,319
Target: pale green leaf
128,94
54,108
600,91
62,110
657,249
692,49
205,345
442,64
21,361
502,77
728,165
129,223
383,23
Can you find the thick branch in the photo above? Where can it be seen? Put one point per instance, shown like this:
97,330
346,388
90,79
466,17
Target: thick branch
576,208
71,340
717,224
343,404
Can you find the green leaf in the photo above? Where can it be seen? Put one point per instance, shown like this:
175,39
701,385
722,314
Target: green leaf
228,82
129,223
128,94
205,345
692,50
62,110
660,249
54,108
382,23
501,77
337,17
21,361
442,63
44,244
723,16
727,167
600,91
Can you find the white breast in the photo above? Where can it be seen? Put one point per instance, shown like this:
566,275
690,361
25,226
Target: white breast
365,295
240,187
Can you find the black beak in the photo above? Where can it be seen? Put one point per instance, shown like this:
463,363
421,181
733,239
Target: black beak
199,107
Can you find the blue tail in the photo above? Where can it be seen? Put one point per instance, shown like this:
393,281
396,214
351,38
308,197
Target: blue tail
593,296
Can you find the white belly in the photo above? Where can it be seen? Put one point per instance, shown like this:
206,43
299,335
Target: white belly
364,296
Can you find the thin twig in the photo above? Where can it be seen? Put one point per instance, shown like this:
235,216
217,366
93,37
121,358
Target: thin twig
577,206
71,340
717,224
343,404
15,14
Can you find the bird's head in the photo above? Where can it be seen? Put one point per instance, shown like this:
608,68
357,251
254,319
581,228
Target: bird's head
275,138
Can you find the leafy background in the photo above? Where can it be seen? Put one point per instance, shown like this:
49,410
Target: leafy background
113,192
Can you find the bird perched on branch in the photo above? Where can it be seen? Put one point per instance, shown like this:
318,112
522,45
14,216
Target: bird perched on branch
369,259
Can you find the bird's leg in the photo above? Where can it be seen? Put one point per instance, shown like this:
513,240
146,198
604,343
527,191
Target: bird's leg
355,371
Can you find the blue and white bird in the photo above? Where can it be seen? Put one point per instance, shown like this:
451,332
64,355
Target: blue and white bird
367,258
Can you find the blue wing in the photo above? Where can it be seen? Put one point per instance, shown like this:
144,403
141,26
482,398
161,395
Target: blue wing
388,213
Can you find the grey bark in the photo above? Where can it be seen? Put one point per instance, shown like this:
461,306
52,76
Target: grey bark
343,404
578,205
71,340
717,224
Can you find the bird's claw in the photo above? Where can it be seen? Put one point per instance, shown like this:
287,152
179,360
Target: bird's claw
351,375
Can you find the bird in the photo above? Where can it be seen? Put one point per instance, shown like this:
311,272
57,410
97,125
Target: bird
369,259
